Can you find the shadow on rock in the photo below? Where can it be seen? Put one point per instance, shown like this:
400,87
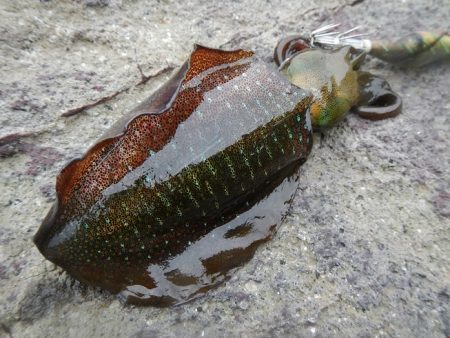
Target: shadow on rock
51,293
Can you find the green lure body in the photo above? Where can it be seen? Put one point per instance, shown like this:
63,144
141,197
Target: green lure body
415,50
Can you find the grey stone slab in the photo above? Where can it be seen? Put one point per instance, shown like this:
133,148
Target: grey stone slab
366,248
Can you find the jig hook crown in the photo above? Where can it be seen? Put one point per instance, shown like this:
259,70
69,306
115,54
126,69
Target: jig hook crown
328,37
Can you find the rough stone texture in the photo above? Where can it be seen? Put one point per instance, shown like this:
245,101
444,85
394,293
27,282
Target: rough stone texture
366,249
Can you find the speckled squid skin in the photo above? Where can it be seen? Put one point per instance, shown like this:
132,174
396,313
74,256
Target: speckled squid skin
187,186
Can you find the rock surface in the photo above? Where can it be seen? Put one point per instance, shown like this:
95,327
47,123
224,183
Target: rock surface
366,248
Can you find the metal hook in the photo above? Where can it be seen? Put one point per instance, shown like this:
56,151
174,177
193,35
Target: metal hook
328,37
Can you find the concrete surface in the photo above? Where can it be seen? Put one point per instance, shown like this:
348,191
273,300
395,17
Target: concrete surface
366,249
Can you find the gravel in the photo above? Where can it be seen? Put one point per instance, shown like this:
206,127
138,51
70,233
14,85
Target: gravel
365,250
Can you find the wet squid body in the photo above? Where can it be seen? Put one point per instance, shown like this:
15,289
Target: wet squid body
185,188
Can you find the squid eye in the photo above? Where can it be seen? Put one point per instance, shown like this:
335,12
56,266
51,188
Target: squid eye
289,46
